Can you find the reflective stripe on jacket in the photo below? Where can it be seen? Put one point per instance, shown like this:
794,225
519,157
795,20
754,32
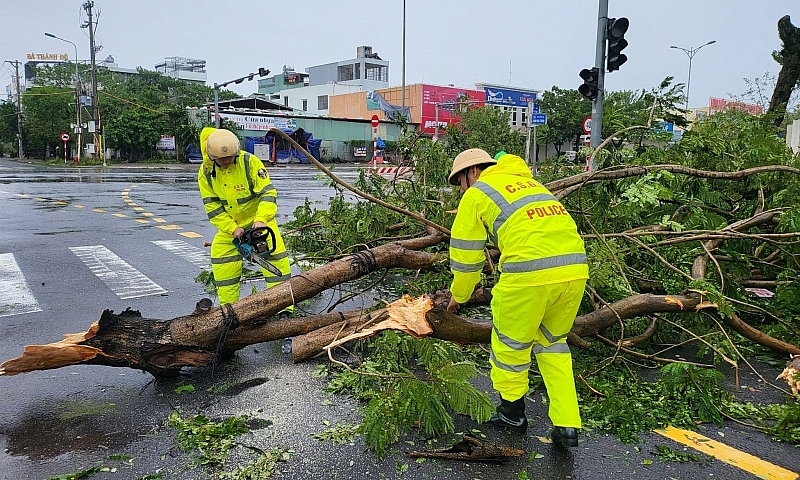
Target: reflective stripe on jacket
538,240
236,196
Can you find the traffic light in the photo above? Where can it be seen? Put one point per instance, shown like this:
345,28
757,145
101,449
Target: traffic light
263,72
590,77
615,31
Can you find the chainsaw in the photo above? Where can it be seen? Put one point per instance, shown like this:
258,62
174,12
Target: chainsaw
255,245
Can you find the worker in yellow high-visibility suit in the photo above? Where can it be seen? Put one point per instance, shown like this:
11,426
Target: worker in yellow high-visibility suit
237,194
543,273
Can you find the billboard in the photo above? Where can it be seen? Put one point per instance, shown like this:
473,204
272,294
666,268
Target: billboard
509,97
720,105
166,143
449,101
255,122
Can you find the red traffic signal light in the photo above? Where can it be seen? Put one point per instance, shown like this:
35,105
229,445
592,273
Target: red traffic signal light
615,32
590,78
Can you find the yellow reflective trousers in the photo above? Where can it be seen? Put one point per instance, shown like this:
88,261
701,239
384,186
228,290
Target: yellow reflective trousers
226,263
536,320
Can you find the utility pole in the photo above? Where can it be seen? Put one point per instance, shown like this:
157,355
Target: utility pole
92,25
599,63
19,107
19,111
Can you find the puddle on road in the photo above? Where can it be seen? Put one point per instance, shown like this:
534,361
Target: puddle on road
231,390
74,425
58,232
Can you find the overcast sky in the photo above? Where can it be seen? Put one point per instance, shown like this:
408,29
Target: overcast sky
524,43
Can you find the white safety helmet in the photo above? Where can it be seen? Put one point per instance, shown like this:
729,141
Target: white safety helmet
222,143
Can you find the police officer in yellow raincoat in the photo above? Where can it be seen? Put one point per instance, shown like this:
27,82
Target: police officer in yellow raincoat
237,194
543,273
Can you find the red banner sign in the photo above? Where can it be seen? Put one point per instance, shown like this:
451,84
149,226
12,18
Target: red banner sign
450,102
720,105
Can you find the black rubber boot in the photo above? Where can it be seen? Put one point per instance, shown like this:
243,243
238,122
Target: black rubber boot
511,415
564,436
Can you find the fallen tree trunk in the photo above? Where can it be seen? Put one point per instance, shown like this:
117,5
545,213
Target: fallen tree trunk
163,347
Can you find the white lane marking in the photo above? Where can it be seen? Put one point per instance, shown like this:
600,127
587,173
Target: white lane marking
15,296
121,278
186,251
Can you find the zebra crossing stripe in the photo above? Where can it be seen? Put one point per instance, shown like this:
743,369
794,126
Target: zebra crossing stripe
186,251
124,280
15,296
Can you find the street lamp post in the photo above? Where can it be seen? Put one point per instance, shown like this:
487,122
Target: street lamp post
78,128
690,52
404,59
262,72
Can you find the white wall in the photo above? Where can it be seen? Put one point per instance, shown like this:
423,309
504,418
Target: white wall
297,95
793,136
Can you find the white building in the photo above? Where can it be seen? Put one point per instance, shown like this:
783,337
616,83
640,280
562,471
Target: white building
312,94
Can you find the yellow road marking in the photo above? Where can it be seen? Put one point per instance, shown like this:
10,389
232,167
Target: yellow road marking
138,209
120,215
729,455
158,219
59,202
79,206
169,227
141,220
125,192
22,195
98,210
40,199
147,214
190,234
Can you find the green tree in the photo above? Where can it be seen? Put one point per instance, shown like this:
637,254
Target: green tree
49,111
486,128
139,108
565,111
8,122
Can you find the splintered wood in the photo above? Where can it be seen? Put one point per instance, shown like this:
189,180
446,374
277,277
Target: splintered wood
54,355
406,314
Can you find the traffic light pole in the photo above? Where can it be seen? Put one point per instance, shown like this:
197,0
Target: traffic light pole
599,62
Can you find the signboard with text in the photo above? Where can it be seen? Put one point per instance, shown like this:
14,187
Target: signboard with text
255,122
63,57
166,143
450,100
509,97
538,119
721,104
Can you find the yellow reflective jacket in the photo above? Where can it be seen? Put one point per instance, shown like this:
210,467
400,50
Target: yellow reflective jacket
538,240
238,195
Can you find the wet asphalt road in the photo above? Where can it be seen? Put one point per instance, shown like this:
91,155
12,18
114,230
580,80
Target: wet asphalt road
69,419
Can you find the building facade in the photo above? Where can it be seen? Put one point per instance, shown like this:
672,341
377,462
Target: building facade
312,91
430,106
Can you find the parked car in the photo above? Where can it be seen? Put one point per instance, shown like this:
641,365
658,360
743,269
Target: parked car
193,154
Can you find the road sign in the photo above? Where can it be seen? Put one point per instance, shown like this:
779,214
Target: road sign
538,119
535,108
375,121
586,125
65,137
